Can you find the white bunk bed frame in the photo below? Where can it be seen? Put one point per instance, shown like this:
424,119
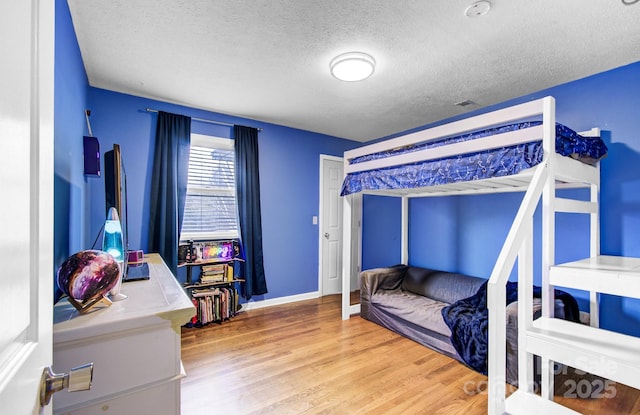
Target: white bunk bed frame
539,183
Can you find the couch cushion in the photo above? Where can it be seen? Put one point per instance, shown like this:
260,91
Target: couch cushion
419,310
442,286
388,278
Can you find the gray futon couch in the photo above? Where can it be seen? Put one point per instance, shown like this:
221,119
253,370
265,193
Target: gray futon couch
408,300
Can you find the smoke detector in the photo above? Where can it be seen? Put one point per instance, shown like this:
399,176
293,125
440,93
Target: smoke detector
479,8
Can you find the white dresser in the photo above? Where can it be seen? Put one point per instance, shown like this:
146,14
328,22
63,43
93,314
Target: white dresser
134,345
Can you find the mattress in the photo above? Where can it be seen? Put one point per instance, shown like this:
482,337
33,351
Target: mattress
498,162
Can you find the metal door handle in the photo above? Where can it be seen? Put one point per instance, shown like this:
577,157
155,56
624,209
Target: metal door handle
326,235
78,379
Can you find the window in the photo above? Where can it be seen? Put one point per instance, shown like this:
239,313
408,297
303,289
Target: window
210,208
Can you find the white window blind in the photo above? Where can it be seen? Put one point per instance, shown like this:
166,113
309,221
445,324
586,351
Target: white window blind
210,208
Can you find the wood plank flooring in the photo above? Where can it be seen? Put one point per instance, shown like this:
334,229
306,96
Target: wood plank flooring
301,358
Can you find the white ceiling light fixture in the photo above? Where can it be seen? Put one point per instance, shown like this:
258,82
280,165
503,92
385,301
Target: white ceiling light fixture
352,66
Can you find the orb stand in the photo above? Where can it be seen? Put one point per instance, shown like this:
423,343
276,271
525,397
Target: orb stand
83,307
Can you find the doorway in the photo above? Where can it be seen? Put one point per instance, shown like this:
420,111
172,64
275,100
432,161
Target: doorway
330,230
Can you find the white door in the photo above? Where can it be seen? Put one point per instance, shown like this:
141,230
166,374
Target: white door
331,224
26,209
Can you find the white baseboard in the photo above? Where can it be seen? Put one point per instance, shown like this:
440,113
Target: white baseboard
253,305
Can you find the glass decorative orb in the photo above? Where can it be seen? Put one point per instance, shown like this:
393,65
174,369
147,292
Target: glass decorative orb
88,275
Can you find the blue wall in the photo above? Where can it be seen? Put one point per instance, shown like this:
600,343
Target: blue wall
289,178
470,242
70,101
380,233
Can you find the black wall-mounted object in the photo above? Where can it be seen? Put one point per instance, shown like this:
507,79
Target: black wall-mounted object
91,156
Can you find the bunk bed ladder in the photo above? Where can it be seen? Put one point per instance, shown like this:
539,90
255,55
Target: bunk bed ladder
610,355
518,244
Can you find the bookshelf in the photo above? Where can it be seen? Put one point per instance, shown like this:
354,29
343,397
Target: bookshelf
213,291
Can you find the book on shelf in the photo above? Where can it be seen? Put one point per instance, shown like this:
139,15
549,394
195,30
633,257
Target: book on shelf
205,293
212,278
216,273
214,268
213,273
209,309
224,304
214,305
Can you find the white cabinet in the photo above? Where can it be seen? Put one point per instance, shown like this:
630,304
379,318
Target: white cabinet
134,345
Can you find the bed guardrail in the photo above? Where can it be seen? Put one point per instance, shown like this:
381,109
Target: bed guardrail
528,110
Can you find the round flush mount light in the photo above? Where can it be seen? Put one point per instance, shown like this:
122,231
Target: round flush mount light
352,66
479,8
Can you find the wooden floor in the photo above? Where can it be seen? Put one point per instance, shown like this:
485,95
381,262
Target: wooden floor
301,358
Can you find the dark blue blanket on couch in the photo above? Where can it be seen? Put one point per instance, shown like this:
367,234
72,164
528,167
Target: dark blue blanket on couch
468,320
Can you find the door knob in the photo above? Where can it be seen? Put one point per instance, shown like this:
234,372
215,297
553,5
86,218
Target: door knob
326,235
78,379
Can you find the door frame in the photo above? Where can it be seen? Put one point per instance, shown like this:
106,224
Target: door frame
356,246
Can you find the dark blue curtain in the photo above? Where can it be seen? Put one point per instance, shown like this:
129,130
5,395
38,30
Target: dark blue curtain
249,218
169,185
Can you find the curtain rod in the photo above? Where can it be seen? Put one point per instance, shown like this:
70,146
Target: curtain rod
225,124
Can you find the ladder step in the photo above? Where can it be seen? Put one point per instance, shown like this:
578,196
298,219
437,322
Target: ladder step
601,352
604,274
521,402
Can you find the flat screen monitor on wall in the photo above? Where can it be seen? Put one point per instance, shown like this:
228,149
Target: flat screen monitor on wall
115,186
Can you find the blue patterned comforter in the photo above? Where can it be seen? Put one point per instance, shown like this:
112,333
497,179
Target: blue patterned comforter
504,161
468,320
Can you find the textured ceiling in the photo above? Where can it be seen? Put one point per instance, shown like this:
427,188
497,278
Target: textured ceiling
269,60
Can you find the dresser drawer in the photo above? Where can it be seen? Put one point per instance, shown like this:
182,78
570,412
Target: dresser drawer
158,399
122,362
